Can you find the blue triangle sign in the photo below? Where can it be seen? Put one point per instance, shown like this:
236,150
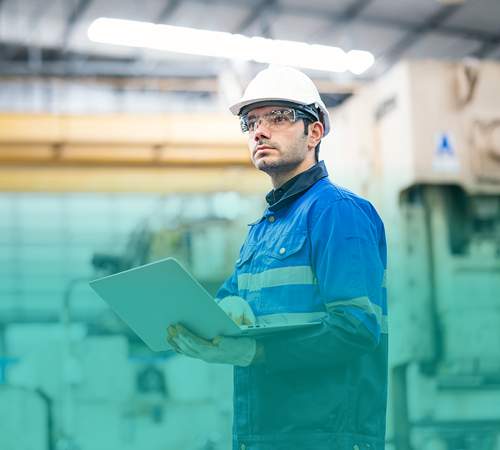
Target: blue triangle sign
445,146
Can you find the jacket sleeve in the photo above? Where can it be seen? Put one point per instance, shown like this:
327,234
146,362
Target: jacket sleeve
229,288
347,255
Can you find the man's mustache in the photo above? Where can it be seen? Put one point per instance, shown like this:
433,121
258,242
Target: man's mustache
266,142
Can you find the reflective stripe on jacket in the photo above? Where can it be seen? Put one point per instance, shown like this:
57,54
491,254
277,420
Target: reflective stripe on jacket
320,258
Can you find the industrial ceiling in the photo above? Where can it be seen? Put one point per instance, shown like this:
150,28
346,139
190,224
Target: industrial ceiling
49,37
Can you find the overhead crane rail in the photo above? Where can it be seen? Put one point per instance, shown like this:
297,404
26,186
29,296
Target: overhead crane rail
124,153
174,140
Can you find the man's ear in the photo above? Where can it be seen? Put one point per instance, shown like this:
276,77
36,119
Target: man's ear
315,134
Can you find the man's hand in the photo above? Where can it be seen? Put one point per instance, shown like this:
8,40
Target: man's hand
238,309
222,350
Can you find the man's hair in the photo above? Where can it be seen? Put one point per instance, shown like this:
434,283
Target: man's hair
308,122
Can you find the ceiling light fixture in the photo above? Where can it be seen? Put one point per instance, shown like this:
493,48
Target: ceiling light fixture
226,45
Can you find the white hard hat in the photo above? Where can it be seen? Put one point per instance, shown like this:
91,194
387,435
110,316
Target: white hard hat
283,86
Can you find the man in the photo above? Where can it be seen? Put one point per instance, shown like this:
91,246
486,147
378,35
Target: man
317,254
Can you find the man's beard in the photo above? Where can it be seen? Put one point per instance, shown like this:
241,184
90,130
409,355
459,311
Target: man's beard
284,163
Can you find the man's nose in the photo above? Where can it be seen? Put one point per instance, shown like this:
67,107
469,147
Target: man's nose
262,130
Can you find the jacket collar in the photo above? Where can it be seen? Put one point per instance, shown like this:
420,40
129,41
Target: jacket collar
303,182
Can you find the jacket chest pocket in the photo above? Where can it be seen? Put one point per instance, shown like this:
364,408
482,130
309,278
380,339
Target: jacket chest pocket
288,280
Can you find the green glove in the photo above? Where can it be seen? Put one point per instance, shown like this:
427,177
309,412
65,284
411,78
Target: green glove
222,350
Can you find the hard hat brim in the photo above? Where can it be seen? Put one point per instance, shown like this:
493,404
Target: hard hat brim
243,107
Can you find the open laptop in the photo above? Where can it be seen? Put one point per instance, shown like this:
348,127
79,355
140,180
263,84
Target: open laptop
155,296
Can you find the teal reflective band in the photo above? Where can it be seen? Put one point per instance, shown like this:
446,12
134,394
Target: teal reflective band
282,318
282,276
277,118
363,304
299,317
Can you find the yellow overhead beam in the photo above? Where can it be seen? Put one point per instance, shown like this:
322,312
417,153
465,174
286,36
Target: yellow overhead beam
187,129
101,154
121,153
123,140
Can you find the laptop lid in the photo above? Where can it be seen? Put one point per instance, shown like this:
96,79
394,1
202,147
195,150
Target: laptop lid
152,297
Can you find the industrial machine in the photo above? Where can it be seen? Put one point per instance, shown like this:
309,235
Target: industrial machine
423,144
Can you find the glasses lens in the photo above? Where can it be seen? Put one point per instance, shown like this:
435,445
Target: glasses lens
251,123
244,124
282,117
273,119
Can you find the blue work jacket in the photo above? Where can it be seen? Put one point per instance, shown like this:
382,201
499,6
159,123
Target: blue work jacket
319,255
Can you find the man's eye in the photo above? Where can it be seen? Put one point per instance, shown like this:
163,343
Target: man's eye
251,124
279,118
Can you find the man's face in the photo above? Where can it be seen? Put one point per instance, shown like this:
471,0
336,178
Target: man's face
277,149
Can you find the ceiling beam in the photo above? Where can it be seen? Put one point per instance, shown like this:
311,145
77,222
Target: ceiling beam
200,84
77,12
394,54
107,68
259,18
292,10
168,11
143,66
488,46
396,24
352,11
170,77
344,18
40,10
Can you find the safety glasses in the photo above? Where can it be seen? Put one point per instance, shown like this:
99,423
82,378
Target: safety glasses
275,119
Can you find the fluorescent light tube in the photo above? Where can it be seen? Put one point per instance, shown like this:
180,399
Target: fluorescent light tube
226,45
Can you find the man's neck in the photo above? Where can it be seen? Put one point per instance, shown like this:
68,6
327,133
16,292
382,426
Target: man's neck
279,179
